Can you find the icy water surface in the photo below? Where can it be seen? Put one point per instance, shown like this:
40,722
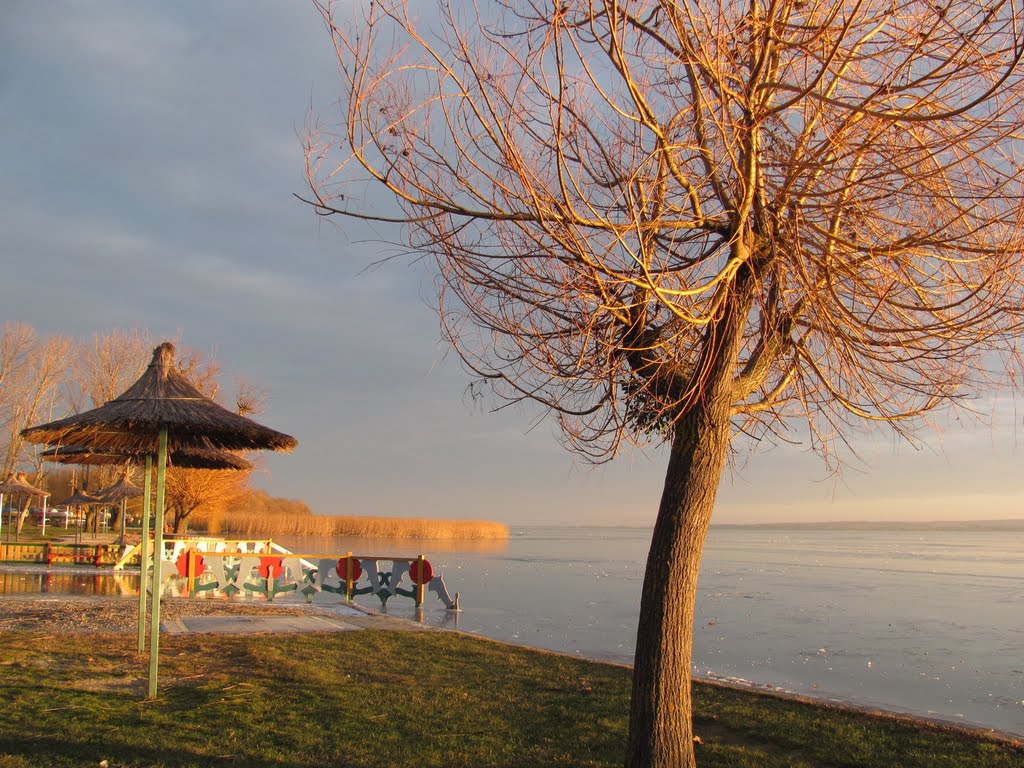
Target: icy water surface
924,622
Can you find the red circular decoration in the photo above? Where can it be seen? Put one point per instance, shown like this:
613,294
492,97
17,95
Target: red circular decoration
182,564
270,567
419,577
342,568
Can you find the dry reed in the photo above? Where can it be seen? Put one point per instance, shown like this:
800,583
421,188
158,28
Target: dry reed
260,524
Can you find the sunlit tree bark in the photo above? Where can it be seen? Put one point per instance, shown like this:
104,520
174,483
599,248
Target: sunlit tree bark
689,221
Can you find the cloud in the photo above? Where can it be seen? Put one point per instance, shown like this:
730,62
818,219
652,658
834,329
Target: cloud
151,157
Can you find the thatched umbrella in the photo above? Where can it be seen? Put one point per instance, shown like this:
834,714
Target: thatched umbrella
183,458
161,401
79,498
160,411
18,485
122,490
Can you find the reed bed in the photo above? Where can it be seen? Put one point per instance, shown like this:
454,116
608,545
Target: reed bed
259,524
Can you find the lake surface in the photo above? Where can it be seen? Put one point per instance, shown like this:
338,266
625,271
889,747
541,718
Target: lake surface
924,622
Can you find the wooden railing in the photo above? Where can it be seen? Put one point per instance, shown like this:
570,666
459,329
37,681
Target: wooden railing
49,553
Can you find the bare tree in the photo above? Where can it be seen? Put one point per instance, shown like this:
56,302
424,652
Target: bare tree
30,374
16,345
690,221
108,366
189,490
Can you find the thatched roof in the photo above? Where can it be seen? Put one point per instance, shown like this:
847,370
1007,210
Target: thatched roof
182,458
122,489
18,485
78,498
161,398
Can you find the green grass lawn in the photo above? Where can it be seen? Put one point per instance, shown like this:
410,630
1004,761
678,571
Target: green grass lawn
400,699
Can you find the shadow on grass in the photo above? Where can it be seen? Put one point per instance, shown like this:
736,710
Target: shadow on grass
59,753
365,699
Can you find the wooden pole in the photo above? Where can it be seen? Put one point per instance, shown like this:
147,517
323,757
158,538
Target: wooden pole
158,552
349,585
147,491
124,511
191,572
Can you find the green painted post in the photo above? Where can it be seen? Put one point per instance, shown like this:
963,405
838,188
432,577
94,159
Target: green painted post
191,571
147,493
349,581
419,584
158,551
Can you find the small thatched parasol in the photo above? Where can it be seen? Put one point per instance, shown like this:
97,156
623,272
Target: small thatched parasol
79,498
183,458
160,411
17,485
121,491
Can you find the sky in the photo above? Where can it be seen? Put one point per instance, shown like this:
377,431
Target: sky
150,154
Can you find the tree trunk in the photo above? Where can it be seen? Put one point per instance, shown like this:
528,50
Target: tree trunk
661,716
22,517
181,518
115,519
660,729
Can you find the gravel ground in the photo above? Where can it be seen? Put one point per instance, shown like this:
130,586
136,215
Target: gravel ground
89,614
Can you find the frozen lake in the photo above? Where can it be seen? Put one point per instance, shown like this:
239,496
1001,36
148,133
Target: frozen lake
927,622
924,622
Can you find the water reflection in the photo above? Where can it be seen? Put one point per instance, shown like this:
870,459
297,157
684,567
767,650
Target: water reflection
69,582
33,580
382,548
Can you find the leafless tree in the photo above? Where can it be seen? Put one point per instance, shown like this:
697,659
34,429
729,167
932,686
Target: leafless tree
107,366
690,221
212,490
16,345
31,371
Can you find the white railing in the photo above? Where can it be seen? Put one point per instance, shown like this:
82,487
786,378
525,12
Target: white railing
260,566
